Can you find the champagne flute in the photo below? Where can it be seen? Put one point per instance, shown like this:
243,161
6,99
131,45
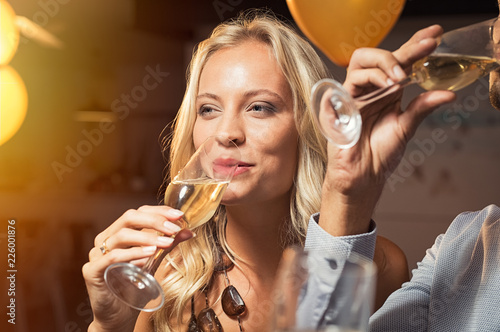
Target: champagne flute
197,191
345,285
462,56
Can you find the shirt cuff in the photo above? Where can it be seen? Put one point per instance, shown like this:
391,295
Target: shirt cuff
362,244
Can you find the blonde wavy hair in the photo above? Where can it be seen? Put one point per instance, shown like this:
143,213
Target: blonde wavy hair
192,262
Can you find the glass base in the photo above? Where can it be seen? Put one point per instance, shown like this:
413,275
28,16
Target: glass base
133,286
336,114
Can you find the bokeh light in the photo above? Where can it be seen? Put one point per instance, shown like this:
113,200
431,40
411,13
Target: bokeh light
9,33
13,102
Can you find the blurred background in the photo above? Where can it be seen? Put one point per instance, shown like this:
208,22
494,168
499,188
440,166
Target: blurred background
89,147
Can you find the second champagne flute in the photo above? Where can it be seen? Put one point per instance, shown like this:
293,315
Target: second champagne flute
462,56
197,191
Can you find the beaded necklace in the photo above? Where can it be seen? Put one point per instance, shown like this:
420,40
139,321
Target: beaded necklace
231,300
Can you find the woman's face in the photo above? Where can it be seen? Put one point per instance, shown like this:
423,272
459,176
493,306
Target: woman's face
244,96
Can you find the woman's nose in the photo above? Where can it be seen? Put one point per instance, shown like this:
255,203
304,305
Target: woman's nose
232,127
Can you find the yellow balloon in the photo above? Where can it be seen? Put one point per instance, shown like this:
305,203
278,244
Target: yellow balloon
13,102
9,33
338,27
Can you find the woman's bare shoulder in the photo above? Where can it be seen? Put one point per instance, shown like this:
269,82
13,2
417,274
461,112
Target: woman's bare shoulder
392,268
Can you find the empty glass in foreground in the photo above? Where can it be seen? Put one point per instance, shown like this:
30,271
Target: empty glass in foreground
344,287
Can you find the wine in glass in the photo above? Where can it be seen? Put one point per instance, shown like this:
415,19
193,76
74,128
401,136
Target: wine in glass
462,56
197,191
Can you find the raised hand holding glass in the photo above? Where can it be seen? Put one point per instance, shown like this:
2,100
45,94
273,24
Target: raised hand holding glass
462,56
197,191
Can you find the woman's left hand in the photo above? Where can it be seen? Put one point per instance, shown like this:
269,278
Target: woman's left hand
356,176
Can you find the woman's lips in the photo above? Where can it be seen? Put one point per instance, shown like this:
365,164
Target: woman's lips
227,166
242,168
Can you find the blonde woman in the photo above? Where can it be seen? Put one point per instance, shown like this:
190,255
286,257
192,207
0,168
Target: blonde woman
251,81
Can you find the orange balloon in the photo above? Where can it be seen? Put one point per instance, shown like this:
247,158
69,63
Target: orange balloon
338,27
13,102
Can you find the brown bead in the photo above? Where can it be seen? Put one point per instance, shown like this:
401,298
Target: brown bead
232,302
208,321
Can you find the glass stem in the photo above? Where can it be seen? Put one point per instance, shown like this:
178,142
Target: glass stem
364,100
154,261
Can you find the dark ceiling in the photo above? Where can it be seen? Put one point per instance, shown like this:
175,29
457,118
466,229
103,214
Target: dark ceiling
447,7
176,19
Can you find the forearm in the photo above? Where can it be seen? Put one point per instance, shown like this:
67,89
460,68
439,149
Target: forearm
347,214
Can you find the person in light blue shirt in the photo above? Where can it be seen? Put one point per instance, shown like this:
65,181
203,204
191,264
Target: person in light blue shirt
456,286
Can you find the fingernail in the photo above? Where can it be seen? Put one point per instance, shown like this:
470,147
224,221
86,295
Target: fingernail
398,72
175,213
389,82
429,40
149,249
165,240
171,227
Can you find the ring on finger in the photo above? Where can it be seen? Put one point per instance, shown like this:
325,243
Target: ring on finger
104,248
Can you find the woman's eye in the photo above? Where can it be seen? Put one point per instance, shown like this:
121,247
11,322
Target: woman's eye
205,110
263,108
